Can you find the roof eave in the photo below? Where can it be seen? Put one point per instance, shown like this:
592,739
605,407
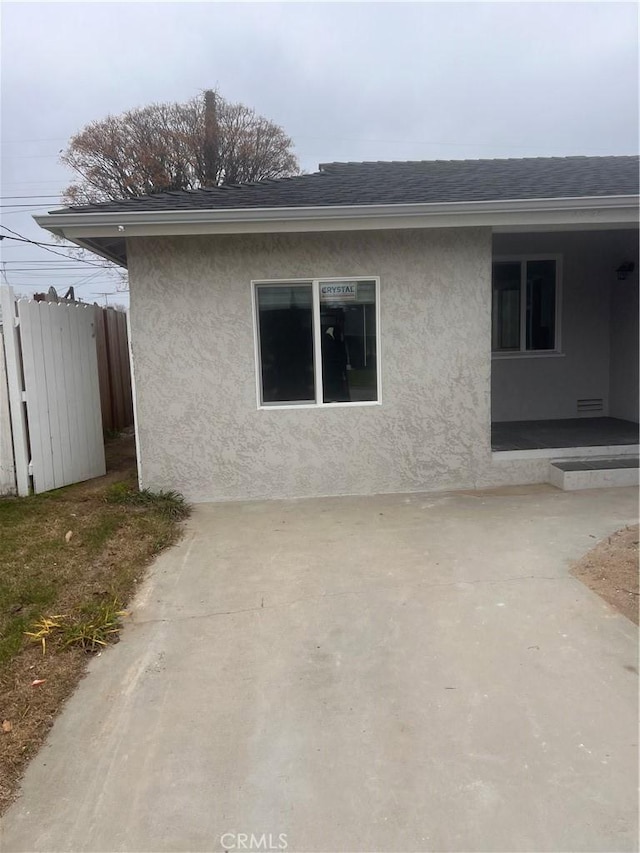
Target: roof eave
581,212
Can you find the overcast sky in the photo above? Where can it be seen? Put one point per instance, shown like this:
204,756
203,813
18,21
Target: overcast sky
347,81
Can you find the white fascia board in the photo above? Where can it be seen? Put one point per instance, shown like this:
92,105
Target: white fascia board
597,211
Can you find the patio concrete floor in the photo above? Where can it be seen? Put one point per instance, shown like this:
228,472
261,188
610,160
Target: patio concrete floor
571,432
395,673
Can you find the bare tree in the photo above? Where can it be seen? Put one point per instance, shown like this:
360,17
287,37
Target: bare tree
175,146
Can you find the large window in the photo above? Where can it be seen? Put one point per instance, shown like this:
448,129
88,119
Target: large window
317,342
525,305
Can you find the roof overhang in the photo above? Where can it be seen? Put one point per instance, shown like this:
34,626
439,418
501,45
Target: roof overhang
106,233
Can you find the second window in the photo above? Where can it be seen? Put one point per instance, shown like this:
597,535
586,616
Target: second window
317,341
525,305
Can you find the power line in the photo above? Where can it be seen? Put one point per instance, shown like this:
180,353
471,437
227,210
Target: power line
32,156
108,274
38,281
29,183
17,245
36,260
76,282
54,271
325,139
105,293
44,246
44,204
50,261
27,210
26,278
22,141
86,280
28,196
20,238
43,269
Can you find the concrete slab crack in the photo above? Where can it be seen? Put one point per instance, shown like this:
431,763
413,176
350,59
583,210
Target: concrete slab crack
262,607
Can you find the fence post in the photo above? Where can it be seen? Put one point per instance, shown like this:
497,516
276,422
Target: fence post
15,382
7,466
103,370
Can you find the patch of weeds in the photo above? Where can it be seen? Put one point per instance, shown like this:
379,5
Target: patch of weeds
88,576
99,625
20,602
118,493
95,536
163,541
171,505
96,626
45,628
111,434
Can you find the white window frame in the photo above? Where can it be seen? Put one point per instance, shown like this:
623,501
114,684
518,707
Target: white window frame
523,352
317,342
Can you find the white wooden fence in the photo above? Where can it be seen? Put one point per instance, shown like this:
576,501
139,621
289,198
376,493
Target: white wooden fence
7,468
51,371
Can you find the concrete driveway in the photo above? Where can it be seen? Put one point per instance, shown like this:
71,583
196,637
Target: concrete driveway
397,673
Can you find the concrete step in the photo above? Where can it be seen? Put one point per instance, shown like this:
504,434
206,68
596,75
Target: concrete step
594,472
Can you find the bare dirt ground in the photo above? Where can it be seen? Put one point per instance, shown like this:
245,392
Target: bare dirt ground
611,570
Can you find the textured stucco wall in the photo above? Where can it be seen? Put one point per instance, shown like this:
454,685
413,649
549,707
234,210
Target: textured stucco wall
549,387
624,378
193,348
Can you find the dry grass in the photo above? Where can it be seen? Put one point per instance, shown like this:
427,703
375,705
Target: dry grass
79,582
611,570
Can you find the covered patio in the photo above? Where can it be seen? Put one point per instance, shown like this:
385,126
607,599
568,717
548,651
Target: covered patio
565,341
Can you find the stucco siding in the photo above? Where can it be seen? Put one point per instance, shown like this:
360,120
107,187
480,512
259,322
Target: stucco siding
624,378
540,388
199,427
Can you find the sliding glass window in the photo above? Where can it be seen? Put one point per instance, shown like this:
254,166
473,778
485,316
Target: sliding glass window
317,342
285,333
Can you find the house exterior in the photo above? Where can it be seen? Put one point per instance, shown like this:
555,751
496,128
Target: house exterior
359,330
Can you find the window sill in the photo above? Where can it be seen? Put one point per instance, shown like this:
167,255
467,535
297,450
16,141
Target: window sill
500,356
285,407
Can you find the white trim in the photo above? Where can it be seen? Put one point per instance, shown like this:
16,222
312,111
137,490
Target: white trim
537,353
317,343
565,452
328,211
523,259
592,211
280,282
378,344
136,421
318,384
348,405
256,343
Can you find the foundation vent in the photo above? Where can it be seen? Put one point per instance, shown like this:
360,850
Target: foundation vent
595,405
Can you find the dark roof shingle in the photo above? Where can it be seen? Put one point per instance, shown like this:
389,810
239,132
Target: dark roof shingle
414,182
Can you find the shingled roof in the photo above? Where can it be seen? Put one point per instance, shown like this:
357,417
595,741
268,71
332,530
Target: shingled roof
416,182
